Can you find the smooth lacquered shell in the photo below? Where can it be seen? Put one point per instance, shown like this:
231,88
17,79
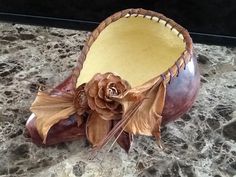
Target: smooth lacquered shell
181,92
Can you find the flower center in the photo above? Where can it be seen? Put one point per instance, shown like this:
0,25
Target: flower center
112,91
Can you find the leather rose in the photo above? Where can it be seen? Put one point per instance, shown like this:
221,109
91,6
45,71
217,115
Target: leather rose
80,100
100,90
104,110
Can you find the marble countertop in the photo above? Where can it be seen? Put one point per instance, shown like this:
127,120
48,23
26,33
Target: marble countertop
200,144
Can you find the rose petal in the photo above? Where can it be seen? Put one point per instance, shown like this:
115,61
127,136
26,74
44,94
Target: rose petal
91,103
101,93
111,84
112,105
106,114
113,77
102,83
98,77
80,100
97,128
88,85
100,103
108,75
116,107
107,99
93,90
121,87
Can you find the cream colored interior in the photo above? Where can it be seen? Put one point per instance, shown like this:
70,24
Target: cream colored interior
135,48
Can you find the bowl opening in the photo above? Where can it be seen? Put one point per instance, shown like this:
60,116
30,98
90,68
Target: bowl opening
135,47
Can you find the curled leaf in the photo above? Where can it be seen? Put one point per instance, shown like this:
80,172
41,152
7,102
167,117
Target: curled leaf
147,119
49,110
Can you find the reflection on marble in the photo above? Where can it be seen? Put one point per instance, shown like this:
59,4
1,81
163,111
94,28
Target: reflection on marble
200,144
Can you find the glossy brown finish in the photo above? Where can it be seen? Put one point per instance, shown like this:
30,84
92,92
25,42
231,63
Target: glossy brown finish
181,92
125,139
65,130
65,86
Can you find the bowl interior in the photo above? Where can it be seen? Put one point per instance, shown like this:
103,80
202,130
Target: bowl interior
136,48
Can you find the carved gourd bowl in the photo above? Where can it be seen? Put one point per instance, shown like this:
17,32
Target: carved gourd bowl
137,45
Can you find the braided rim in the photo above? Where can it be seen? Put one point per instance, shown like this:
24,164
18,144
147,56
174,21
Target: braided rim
181,32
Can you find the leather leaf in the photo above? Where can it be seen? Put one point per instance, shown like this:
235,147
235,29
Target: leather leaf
147,117
50,109
146,120
97,128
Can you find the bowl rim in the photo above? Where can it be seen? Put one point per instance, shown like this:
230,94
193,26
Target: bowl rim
180,31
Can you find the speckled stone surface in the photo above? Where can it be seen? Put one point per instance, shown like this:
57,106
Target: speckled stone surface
200,144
